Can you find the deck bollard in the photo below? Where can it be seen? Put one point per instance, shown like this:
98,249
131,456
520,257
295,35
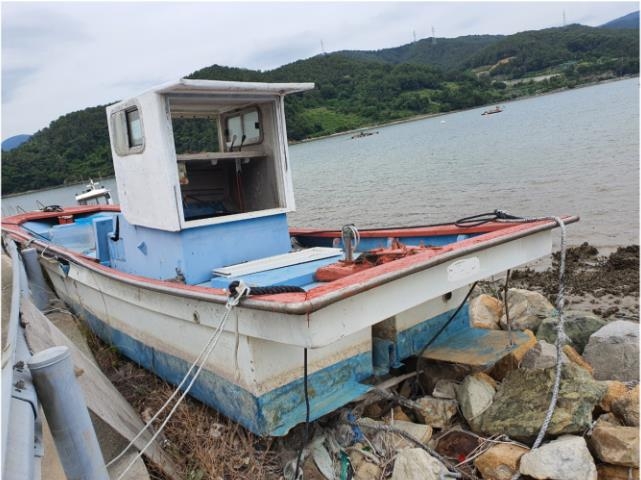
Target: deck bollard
66,412
37,283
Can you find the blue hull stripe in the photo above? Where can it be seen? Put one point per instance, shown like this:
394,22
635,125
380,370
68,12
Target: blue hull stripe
273,413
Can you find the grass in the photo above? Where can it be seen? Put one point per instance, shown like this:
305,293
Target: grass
203,443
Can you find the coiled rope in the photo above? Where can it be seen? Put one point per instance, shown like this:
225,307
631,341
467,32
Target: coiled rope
271,290
240,291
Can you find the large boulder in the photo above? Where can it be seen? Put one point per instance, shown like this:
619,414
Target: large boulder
566,458
527,309
626,407
616,445
474,396
521,402
500,462
613,351
578,327
417,464
542,355
485,312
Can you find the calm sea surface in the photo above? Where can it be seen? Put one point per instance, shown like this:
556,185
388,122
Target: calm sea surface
575,152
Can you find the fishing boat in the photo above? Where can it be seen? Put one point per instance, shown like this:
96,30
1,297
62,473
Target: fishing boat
94,193
496,109
198,267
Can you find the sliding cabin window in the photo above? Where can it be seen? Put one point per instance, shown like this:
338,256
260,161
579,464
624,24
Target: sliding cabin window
128,132
219,172
243,128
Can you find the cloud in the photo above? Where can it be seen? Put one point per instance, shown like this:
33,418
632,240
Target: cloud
65,56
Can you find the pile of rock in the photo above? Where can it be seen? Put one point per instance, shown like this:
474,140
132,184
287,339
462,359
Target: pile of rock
483,423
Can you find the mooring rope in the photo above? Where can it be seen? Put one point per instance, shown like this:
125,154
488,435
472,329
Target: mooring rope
560,329
200,361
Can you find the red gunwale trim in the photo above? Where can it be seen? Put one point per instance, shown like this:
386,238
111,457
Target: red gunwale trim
318,297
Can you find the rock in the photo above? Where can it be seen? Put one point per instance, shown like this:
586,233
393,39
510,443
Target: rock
613,351
615,390
626,408
611,419
445,389
615,445
577,359
436,412
397,414
434,370
422,433
367,471
512,360
475,396
457,444
578,327
500,462
616,472
566,458
522,399
355,455
374,410
542,355
527,309
485,312
417,464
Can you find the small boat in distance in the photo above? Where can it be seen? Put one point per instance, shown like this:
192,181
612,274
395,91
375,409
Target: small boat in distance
364,134
496,109
94,194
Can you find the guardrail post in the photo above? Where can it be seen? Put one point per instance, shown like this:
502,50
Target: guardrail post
66,412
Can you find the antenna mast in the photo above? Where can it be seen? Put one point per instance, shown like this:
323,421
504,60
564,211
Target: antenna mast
564,18
433,36
322,47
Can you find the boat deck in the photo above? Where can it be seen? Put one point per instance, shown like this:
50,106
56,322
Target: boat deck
296,268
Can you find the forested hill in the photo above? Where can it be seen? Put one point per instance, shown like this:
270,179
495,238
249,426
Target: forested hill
356,89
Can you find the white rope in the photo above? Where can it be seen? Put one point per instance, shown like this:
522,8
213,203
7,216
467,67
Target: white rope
560,333
200,360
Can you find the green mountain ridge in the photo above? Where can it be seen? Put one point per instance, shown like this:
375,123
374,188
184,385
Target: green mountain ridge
355,89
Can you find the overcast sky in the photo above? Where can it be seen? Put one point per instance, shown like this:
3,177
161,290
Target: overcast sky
62,57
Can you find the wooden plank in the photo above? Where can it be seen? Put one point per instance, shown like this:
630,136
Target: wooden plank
475,346
101,396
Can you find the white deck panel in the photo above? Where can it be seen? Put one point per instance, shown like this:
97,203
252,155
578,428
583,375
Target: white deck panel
277,261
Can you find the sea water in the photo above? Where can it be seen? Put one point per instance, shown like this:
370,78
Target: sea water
572,152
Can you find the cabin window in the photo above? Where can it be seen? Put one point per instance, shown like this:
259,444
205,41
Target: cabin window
127,131
134,128
243,128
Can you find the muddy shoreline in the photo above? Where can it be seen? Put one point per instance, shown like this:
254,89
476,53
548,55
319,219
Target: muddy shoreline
602,281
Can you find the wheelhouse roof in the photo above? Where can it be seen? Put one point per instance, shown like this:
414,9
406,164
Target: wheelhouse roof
220,87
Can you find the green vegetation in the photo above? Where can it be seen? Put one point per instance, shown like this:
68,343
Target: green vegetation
357,89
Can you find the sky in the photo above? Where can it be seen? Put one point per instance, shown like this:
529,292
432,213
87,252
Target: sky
59,57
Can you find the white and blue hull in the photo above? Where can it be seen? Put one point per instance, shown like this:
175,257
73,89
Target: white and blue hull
255,373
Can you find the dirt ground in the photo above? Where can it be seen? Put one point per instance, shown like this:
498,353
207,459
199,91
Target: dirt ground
607,286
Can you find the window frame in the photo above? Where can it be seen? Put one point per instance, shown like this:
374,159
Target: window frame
224,118
122,131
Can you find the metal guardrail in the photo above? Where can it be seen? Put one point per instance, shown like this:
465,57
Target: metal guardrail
22,448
